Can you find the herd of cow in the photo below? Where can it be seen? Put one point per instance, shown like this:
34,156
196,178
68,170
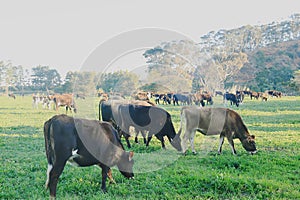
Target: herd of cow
204,98
84,142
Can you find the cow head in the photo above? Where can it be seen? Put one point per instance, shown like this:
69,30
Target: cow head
125,165
176,142
249,144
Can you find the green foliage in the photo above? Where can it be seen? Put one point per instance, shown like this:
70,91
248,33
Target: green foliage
120,81
43,77
272,173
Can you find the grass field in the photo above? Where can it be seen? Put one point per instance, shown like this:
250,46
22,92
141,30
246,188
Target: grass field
272,173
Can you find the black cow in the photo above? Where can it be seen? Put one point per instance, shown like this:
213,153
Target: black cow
185,99
12,95
109,111
84,143
153,119
232,98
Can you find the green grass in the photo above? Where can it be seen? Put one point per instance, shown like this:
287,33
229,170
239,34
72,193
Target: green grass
273,173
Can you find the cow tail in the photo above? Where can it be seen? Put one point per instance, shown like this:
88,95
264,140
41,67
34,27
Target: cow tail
48,131
48,141
100,107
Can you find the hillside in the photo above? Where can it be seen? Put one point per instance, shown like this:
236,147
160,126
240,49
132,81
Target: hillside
270,67
257,57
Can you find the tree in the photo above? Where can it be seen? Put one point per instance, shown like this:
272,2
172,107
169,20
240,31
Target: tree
121,81
44,78
10,76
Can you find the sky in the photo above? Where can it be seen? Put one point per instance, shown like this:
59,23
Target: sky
64,34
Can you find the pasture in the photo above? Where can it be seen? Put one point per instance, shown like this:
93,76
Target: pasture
272,173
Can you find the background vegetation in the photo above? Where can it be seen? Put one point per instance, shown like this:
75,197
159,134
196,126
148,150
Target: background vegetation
261,57
273,173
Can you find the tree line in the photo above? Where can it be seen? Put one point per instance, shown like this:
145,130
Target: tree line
44,79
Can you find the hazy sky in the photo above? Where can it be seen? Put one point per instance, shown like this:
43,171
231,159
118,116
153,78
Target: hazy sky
62,34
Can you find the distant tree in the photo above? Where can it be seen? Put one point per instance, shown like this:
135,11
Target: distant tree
11,76
44,78
120,81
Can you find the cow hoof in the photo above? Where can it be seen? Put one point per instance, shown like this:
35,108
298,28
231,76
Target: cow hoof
194,153
104,190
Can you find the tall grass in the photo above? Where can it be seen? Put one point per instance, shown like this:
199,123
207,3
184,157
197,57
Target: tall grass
273,173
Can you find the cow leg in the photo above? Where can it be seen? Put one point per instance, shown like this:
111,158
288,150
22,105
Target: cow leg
230,140
220,144
148,140
161,138
136,140
110,177
143,132
54,174
192,142
188,134
105,171
127,141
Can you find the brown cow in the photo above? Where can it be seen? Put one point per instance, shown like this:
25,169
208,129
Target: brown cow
143,96
64,100
215,121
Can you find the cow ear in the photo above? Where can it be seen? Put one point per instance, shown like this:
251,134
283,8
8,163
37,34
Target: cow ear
130,155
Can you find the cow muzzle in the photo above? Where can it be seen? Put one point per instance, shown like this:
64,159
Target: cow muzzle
252,152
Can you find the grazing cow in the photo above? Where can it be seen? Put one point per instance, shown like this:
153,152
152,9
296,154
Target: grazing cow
234,99
215,121
12,95
143,96
254,95
185,99
240,95
46,101
83,143
109,111
200,97
65,100
275,93
153,119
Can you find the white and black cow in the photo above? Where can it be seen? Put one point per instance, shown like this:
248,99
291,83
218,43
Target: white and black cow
215,121
83,143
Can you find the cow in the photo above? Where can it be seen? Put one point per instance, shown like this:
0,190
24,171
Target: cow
275,93
65,100
215,121
12,95
234,99
83,143
240,95
254,95
185,99
200,97
155,120
46,101
143,96
109,110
